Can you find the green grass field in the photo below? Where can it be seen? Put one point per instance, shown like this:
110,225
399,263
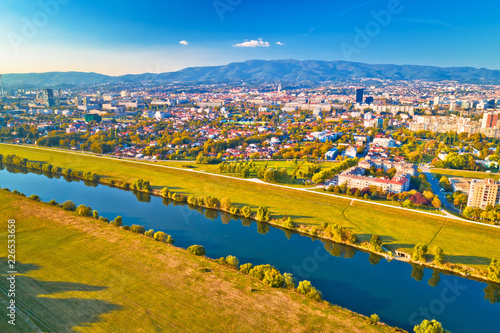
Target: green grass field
397,228
79,274
465,174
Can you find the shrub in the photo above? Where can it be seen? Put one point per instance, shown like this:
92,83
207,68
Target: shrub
246,268
246,212
419,252
305,288
52,202
95,214
221,261
374,319
263,214
197,250
429,327
117,222
69,206
150,233
192,200
103,219
126,227
234,210
83,210
163,237
225,204
289,281
138,229
267,274
289,223
232,261
34,197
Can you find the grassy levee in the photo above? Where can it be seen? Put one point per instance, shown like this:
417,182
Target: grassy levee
399,229
80,274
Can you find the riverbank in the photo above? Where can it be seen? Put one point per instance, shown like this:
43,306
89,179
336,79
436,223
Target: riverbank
464,244
104,278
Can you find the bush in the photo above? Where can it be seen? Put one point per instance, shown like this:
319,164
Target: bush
246,268
263,214
150,233
419,252
374,319
289,281
34,197
138,229
126,227
192,200
221,261
163,237
246,212
83,210
197,250
225,204
95,214
429,327
305,288
164,192
103,219
267,274
52,202
232,261
69,206
117,222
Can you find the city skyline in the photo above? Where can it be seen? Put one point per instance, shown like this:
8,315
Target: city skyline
117,38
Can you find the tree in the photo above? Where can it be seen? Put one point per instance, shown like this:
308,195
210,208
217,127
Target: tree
149,233
494,270
246,268
83,210
163,237
376,243
232,261
305,288
407,204
419,252
197,250
164,192
34,197
436,203
263,214
289,281
246,212
95,214
438,255
225,204
138,229
117,222
69,206
429,327
374,319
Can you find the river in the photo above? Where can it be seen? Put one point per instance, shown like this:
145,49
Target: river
401,294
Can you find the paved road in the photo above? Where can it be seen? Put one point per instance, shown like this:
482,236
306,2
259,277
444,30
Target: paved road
437,190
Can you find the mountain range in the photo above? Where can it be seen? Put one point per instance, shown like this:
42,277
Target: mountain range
261,71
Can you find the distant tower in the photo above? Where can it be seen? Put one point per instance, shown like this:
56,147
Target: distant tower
359,95
279,88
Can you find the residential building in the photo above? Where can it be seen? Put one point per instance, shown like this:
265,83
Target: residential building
483,192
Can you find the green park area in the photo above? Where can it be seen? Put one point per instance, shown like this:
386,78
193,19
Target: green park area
81,274
462,242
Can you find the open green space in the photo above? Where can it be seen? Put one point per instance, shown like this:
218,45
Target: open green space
464,174
80,274
400,229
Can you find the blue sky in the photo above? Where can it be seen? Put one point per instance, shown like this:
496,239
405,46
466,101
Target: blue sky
118,37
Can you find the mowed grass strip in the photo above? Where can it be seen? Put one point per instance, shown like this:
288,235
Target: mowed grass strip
398,228
464,174
79,274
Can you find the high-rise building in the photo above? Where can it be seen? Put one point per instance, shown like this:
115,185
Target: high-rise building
489,120
359,95
48,97
483,192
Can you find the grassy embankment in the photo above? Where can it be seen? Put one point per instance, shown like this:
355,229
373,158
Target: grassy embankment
79,274
463,243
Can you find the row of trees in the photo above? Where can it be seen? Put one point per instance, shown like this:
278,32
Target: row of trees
325,174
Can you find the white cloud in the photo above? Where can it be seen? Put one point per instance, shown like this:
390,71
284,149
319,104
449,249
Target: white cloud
280,43
253,43
183,42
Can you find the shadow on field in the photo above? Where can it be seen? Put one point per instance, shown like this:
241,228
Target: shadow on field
40,309
468,260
